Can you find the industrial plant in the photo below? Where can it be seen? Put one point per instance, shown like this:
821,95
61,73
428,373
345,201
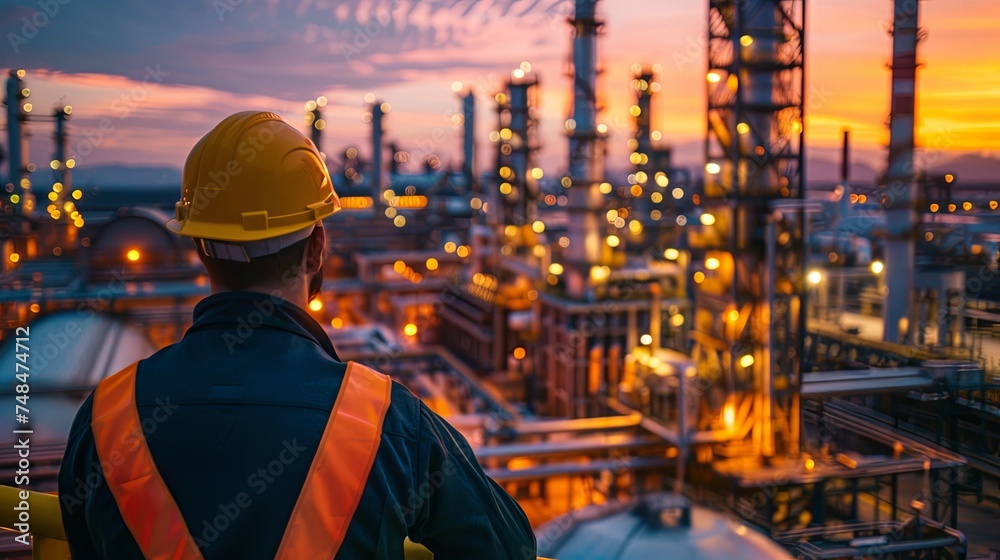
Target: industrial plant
701,362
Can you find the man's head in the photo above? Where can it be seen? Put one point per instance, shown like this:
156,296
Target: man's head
254,191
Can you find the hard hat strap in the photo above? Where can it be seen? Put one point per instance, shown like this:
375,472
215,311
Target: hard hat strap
246,250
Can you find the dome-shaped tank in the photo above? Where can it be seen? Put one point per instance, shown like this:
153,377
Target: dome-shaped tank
69,352
658,525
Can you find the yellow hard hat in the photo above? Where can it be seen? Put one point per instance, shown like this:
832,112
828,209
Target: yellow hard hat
255,184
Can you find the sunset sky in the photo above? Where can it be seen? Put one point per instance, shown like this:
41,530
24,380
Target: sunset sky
214,58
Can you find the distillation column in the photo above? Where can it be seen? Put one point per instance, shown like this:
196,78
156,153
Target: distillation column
586,145
18,175
469,141
747,257
901,217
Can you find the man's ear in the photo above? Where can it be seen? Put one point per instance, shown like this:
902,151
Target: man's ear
316,248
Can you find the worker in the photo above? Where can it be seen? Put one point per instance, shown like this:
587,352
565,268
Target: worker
249,438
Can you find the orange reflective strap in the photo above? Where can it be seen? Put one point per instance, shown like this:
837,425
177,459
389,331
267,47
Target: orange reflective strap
329,497
340,469
145,503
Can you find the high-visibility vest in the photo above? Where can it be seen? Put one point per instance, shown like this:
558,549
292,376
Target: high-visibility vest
325,505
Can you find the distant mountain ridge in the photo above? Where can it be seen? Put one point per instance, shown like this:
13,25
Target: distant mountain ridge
819,170
122,175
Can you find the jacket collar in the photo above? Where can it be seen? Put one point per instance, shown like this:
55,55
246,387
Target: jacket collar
242,310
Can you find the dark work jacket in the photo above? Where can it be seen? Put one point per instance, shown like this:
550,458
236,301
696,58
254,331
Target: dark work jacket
233,414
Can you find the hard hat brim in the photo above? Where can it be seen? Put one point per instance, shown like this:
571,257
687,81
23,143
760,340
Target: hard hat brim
234,233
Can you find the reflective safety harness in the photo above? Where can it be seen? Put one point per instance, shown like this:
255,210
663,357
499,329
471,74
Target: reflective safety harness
325,505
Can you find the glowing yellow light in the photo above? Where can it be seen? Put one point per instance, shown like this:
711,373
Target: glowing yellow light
810,464
399,221
677,193
133,255
662,179
505,188
729,415
537,173
519,353
399,267
712,168
538,226
671,254
538,251
431,264
602,128
556,269
449,247
712,263
25,183
14,198
733,315
640,176
746,360
743,128
606,188
635,110
677,320
463,251
993,205
501,98
635,226
636,191
506,172
746,40
320,124
707,219
966,206
54,164
506,134
877,267
713,77
518,73
815,277
28,107
699,277
321,101
14,257
410,329
53,196
935,207
476,203
55,214
646,339
949,178
337,323
613,241
315,305
951,207
385,107
67,206
456,86
656,135
599,273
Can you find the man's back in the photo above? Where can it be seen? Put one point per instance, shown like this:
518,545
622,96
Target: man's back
233,415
